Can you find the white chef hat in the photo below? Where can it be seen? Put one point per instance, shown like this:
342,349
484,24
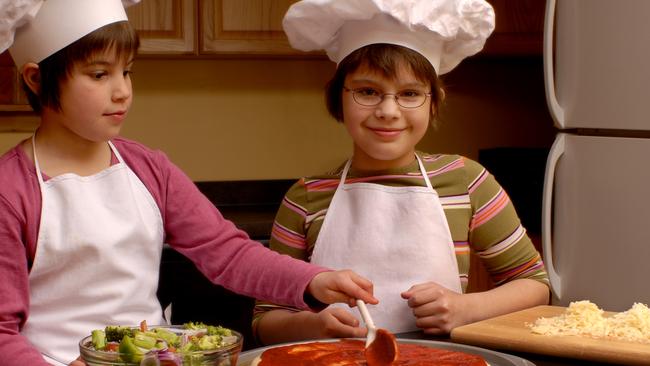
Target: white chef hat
443,31
40,28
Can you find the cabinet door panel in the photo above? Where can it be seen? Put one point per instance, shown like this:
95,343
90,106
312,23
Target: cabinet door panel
245,27
255,27
12,97
165,26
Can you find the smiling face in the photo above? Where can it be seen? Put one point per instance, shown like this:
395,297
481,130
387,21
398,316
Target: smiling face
384,135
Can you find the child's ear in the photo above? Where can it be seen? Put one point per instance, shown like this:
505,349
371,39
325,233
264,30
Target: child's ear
32,76
434,109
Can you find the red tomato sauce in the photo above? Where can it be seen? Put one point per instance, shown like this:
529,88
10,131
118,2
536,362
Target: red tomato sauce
350,352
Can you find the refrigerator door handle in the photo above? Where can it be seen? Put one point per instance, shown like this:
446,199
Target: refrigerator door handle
557,150
557,112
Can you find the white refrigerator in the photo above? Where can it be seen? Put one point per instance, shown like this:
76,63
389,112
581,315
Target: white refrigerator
596,202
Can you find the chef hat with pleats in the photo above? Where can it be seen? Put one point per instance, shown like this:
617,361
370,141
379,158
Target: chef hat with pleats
443,31
36,29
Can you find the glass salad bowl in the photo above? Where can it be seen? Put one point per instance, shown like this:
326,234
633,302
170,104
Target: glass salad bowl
191,344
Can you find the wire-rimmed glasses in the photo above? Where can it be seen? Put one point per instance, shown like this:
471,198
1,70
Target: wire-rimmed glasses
369,97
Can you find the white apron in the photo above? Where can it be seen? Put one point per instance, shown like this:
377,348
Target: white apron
395,236
97,258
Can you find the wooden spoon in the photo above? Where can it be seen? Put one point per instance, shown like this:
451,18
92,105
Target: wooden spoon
381,346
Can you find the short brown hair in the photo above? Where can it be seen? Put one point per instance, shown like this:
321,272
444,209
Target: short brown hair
57,67
385,59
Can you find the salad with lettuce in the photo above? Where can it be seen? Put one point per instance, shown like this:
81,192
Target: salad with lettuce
169,346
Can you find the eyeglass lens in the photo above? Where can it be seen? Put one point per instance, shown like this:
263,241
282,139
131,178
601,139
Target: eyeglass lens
406,99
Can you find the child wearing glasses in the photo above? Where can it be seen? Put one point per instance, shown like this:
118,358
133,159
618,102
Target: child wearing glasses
84,213
405,219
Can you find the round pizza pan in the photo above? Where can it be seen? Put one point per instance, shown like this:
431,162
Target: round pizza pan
491,357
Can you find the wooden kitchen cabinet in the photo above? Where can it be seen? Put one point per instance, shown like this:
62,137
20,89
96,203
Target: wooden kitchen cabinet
165,27
254,27
212,27
241,27
244,27
12,97
519,28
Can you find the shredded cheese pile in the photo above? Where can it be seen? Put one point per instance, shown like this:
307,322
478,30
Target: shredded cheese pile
584,318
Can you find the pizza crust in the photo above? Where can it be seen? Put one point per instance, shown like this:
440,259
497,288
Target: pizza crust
256,361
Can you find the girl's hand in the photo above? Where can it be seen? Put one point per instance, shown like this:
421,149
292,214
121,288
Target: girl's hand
77,362
341,286
437,309
335,323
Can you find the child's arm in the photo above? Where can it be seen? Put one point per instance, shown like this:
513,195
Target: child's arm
439,310
501,243
327,287
274,323
278,326
283,326
225,254
15,350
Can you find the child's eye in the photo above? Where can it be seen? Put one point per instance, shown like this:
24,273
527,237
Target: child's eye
367,92
410,94
98,74
126,73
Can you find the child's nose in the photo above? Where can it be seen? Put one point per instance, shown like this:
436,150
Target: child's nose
388,107
121,89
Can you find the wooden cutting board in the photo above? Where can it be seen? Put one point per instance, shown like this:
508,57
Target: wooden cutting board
510,333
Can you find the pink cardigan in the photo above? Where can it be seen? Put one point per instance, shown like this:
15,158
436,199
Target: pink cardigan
193,226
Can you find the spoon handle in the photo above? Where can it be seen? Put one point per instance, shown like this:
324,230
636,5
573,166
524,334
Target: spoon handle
372,329
365,315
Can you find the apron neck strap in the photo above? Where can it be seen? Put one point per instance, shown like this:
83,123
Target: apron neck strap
39,174
344,173
424,172
346,168
36,165
117,153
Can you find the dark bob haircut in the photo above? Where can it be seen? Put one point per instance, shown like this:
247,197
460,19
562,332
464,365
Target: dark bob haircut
384,59
57,67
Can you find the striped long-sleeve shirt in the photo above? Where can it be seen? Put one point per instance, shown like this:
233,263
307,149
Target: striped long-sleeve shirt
479,212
